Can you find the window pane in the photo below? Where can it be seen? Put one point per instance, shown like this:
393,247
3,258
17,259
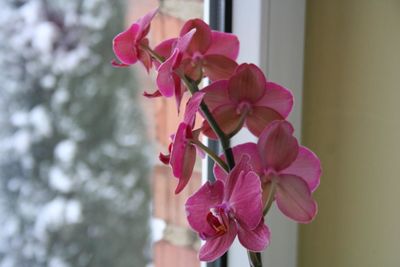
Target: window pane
74,164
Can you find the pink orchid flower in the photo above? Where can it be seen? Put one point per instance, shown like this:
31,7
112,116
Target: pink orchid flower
129,45
182,151
211,53
246,98
295,170
219,211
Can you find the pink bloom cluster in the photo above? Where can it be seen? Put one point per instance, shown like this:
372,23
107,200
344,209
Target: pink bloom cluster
275,169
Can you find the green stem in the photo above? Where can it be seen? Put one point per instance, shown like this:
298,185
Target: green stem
254,259
239,126
271,198
211,154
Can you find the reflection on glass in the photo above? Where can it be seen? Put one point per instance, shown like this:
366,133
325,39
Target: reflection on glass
73,165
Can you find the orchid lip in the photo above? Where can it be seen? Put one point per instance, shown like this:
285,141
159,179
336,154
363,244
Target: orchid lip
244,106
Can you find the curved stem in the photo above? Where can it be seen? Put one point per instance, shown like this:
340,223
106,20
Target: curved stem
211,154
271,198
254,258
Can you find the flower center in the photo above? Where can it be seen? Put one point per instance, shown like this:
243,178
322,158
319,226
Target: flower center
218,220
243,107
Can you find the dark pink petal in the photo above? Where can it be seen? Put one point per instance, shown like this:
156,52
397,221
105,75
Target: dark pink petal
216,247
165,79
201,40
144,23
307,166
277,145
199,204
255,240
246,200
179,91
259,118
293,198
278,98
227,119
152,95
124,45
183,156
225,44
192,107
247,84
216,94
145,58
118,64
217,67
238,151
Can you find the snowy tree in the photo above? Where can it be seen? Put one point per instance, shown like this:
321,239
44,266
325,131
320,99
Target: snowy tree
73,167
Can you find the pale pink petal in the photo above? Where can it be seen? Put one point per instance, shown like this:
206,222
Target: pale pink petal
165,48
225,44
217,246
246,200
202,38
241,168
192,107
165,80
216,94
255,240
217,67
277,146
307,166
144,22
227,119
278,98
247,84
199,204
259,118
124,45
184,41
238,151
293,198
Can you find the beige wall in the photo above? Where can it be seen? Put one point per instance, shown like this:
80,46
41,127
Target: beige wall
352,121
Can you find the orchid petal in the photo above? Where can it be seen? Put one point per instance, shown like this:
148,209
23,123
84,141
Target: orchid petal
183,156
166,48
247,84
155,94
238,151
227,119
201,40
278,98
246,200
256,239
165,79
199,204
184,41
192,107
124,45
192,69
293,198
145,58
259,118
144,23
216,94
217,246
277,146
307,166
225,44
218,67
